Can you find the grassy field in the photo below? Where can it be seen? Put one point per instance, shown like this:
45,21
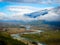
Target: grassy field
48,37
6,39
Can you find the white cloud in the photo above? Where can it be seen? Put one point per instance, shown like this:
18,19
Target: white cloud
2,16
57,1
51,16
20,17
22,9
19,11
25,9
1,0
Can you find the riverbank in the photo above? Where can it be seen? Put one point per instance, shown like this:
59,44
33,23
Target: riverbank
6,39
48,37
26,40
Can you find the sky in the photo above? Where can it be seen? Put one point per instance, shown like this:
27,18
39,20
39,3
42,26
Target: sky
15,9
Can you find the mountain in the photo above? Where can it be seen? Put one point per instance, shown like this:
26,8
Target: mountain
45,24
46,17
11,23
52,18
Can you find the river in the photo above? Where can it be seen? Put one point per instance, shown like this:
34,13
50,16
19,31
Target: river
18,37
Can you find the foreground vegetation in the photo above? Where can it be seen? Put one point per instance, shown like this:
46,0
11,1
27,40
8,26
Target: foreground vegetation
5,39
47,37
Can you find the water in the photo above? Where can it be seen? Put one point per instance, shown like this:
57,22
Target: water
15,36
18,37
33,32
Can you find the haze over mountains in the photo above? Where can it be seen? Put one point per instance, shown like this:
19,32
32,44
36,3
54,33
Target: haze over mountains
50,17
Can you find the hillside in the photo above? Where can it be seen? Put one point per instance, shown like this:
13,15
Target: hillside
6,39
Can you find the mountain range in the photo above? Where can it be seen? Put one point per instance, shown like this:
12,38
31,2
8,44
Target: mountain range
50,17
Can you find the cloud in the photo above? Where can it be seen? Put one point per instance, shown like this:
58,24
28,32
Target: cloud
57,1
17,12
1,0
51,16
35,1
21,9
2,16
25,9
20,17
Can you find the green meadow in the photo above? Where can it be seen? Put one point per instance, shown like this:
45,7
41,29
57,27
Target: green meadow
48,37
